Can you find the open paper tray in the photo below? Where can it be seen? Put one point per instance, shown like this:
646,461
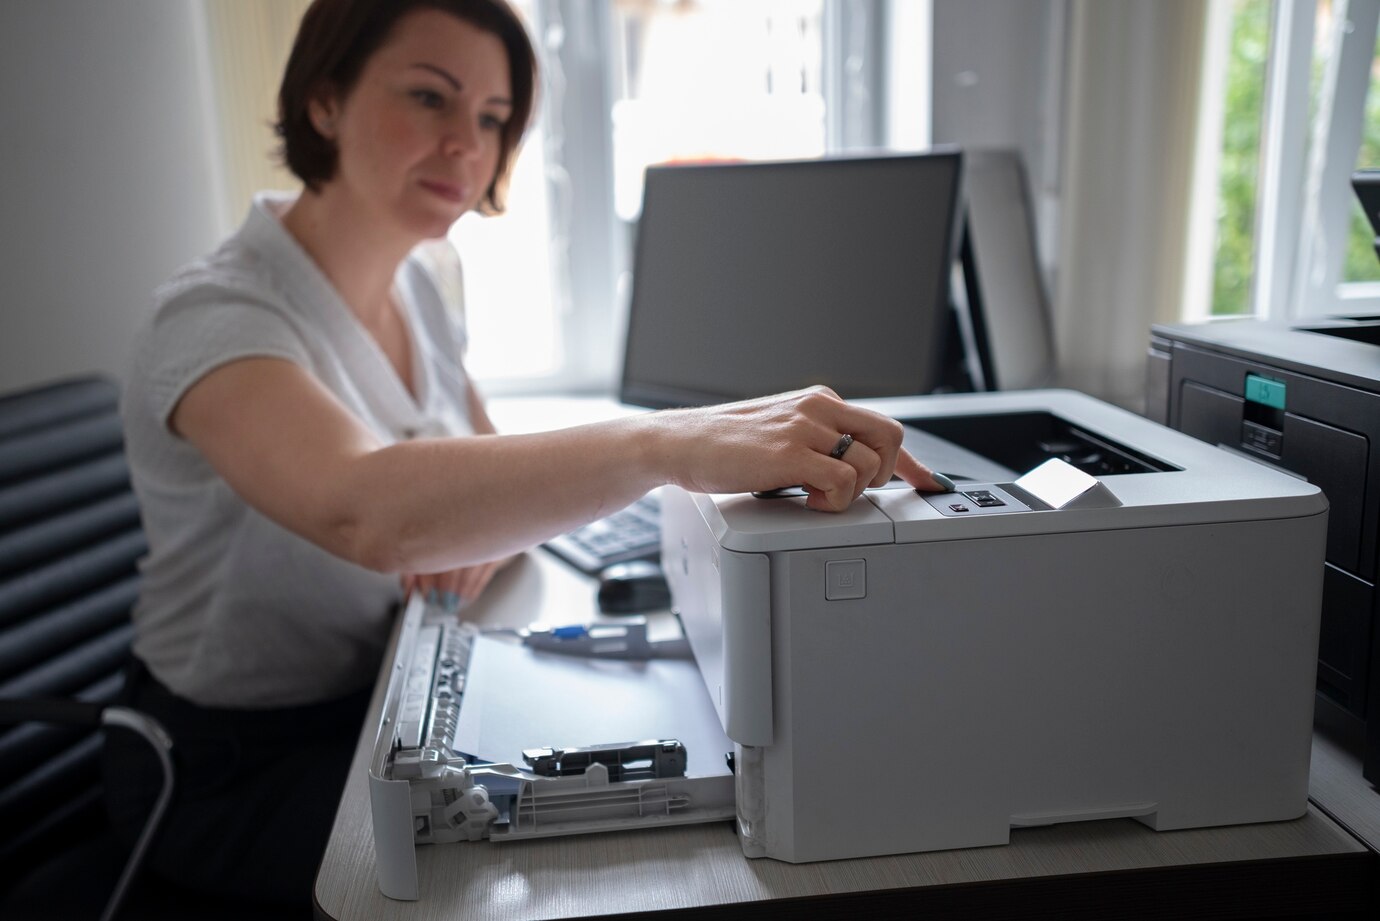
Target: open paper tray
516,698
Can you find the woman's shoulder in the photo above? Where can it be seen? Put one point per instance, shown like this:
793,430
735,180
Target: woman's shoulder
224,303
246,267
233,270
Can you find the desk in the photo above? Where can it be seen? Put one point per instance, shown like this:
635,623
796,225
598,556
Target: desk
1114,868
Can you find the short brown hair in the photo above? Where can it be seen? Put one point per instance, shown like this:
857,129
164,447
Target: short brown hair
337,37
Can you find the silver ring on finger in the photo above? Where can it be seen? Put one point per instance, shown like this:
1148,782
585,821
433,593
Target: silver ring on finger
841,447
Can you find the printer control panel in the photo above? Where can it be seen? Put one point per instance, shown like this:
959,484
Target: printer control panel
984,499
1055,484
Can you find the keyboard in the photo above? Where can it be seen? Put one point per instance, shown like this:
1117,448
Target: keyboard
633,533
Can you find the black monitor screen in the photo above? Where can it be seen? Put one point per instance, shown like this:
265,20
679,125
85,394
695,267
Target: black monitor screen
754,278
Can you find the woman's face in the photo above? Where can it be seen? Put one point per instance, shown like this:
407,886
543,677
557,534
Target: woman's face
420,133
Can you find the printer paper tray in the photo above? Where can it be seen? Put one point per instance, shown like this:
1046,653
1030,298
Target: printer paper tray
517,698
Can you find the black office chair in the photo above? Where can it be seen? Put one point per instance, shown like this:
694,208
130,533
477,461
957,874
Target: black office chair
70,537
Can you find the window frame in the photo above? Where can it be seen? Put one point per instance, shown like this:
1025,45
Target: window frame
1306,196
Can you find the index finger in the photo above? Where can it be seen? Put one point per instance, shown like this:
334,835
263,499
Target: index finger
920,476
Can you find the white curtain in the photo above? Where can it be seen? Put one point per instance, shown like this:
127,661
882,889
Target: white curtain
248,43
1132,95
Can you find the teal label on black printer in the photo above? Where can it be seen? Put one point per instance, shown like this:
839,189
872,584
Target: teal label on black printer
1264,390
1262,423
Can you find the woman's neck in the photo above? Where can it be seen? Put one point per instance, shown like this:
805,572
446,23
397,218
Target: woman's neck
359,256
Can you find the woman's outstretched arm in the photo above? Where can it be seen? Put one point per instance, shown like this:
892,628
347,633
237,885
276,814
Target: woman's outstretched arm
293,452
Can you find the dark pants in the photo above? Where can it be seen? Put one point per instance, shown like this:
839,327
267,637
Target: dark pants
255,791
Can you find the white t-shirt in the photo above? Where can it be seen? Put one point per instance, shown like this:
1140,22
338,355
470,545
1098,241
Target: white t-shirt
234,610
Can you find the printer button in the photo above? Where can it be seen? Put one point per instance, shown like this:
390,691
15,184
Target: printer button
958,507
983,498
845,580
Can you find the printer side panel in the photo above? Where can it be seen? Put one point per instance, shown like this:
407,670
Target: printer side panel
722,599
1163,673
690,559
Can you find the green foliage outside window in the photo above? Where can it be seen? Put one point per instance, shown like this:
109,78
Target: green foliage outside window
1240,167
1244,107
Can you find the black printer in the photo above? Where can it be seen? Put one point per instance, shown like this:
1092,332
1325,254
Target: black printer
1305,397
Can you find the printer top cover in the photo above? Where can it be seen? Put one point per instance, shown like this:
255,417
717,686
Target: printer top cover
1185,482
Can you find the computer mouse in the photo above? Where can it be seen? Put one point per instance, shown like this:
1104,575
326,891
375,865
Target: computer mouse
633,587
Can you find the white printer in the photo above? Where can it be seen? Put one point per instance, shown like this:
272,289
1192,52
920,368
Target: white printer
1107,618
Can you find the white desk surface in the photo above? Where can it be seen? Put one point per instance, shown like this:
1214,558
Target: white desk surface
701,866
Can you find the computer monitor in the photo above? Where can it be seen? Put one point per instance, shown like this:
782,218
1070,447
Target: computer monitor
1002,312
755,278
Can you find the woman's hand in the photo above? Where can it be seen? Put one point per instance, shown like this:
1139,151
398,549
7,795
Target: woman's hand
454,587
786,440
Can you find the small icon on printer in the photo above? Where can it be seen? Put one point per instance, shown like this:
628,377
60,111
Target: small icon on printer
845,580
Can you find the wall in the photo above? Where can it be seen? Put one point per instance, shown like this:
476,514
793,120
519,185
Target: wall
106,180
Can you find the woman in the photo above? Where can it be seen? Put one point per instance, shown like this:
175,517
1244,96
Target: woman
305,442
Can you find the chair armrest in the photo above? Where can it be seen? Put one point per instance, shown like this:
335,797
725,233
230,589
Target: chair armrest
81,713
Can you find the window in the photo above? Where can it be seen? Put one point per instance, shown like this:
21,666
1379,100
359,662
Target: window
1362,261
1344,57
763,98
628,83
1240,156
1300,112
